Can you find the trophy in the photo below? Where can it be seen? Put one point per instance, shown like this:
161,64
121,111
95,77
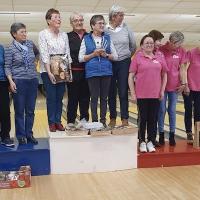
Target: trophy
61,68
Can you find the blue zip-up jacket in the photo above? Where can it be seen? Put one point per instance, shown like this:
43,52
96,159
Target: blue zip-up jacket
2,71
97,66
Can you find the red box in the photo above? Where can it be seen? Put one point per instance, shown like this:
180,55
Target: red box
16,179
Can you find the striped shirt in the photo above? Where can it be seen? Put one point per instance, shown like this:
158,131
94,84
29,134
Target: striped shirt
14,64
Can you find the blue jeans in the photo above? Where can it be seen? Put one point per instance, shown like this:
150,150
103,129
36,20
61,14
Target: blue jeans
24,105
119,81
54,97
171,109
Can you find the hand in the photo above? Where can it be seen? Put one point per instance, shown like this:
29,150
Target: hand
98,52
186,90
180,89
133,98
13,87
104,54
52,78
161,95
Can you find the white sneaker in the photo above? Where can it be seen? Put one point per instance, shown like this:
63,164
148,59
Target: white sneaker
70,126
150,147
143,147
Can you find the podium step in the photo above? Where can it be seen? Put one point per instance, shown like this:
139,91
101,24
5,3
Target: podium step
86,154
182,154
37,156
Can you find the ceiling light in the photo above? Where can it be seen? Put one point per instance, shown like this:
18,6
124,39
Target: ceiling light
14,13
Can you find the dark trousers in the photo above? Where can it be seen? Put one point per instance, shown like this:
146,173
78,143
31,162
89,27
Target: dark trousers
4,110
148,111
119,81
195,95
24,104
99,87
188,112
78,94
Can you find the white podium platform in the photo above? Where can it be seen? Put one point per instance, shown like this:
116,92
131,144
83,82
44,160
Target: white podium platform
87,154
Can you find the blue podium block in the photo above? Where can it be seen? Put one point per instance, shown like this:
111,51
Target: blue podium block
37,156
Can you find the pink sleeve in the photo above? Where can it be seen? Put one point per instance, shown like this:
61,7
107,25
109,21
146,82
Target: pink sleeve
133,65
184,58
189,56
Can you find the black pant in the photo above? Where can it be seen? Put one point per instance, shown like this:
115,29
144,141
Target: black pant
188,113
4,110
99,87
119,82
195,95
148,111
78,94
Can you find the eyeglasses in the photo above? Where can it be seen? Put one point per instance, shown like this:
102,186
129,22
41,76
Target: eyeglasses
100,23
78,20
149,43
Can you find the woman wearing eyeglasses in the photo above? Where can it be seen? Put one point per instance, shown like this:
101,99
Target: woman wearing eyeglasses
146,69
97,51
53,42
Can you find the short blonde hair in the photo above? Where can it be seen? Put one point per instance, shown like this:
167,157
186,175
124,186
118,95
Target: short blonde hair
114,10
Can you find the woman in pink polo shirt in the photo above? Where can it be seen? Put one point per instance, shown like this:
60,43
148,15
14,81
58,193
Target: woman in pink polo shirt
147,69
193,86
175,57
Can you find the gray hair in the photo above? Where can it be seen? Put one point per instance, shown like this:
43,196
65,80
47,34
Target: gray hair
73,15
15,27
176,36
95,19
114,10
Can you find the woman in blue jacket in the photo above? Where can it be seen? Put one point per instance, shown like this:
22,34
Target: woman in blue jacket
97,51
4,105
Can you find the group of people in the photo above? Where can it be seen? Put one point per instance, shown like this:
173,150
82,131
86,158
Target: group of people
101,66
159,73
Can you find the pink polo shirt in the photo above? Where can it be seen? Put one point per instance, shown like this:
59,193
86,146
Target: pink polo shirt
148,74
194,69
174,59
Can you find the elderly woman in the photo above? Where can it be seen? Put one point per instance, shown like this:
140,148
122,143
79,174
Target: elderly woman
147,69
125,46
192,91
21,72
53,42
78,91
176,60
97,51
4,105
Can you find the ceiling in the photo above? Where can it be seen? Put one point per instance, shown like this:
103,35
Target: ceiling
142,16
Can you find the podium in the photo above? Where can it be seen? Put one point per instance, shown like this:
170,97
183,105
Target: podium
87,153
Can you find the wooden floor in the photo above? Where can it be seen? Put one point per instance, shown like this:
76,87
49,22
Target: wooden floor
181,183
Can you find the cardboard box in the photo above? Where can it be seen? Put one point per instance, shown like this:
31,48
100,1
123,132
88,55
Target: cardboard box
16,179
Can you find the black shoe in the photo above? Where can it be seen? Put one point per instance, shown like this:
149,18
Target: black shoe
189,138
32,140
8,142
162,138
172,141
22,140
